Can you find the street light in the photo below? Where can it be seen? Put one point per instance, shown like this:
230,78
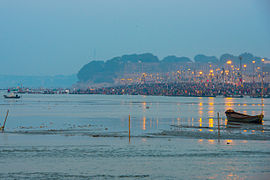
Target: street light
253,72
245,68
229,62
262,83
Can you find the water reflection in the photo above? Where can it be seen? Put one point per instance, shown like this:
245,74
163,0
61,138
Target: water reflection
144,106
211,122
200,109
178,121
200,121
229,141
144,122
199,115
211,107
233,176
229,103
148,123
200,140
211,141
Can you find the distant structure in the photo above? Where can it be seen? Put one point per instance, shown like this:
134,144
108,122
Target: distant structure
147,68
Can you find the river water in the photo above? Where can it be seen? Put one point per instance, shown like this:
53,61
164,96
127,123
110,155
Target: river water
86,137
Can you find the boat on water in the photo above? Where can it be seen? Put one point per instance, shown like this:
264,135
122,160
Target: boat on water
234,95
233,116
260,96
12,96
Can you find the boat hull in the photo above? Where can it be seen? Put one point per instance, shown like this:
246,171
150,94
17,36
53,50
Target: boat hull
243,118
12,97
234,96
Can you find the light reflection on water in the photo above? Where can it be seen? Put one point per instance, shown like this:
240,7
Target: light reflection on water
144,122
211,141
199,118
224,142
149,114
82,119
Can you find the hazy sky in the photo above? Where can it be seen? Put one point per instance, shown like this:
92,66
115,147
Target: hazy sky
49,37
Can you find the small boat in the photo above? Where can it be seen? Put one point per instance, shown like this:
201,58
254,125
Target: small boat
260,96
12,96
233,116
234,95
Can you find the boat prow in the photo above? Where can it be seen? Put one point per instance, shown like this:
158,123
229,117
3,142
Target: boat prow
233,116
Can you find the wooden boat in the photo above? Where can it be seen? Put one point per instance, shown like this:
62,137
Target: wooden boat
12,96
233,116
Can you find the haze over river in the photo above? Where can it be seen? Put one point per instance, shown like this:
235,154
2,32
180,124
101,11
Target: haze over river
86,137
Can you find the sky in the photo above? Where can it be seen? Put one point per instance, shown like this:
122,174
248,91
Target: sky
58,37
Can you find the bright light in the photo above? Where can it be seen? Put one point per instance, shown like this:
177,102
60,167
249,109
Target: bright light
253,62
200,72
229,62
262,60
211,71
245,65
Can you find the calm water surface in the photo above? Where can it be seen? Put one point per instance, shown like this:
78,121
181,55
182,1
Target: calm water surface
86,137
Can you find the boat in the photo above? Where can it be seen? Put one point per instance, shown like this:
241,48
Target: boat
233,116
234,95
260,96
12,96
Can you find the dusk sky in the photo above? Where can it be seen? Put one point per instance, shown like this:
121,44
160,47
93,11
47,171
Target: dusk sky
50,37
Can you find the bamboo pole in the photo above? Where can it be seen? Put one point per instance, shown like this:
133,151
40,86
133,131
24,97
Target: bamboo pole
3,127
218,126
262,93
129,128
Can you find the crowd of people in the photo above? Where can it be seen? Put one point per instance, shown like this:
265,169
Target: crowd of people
185,89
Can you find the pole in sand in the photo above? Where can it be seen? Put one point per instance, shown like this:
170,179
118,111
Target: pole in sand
3,127
129,128
218,126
